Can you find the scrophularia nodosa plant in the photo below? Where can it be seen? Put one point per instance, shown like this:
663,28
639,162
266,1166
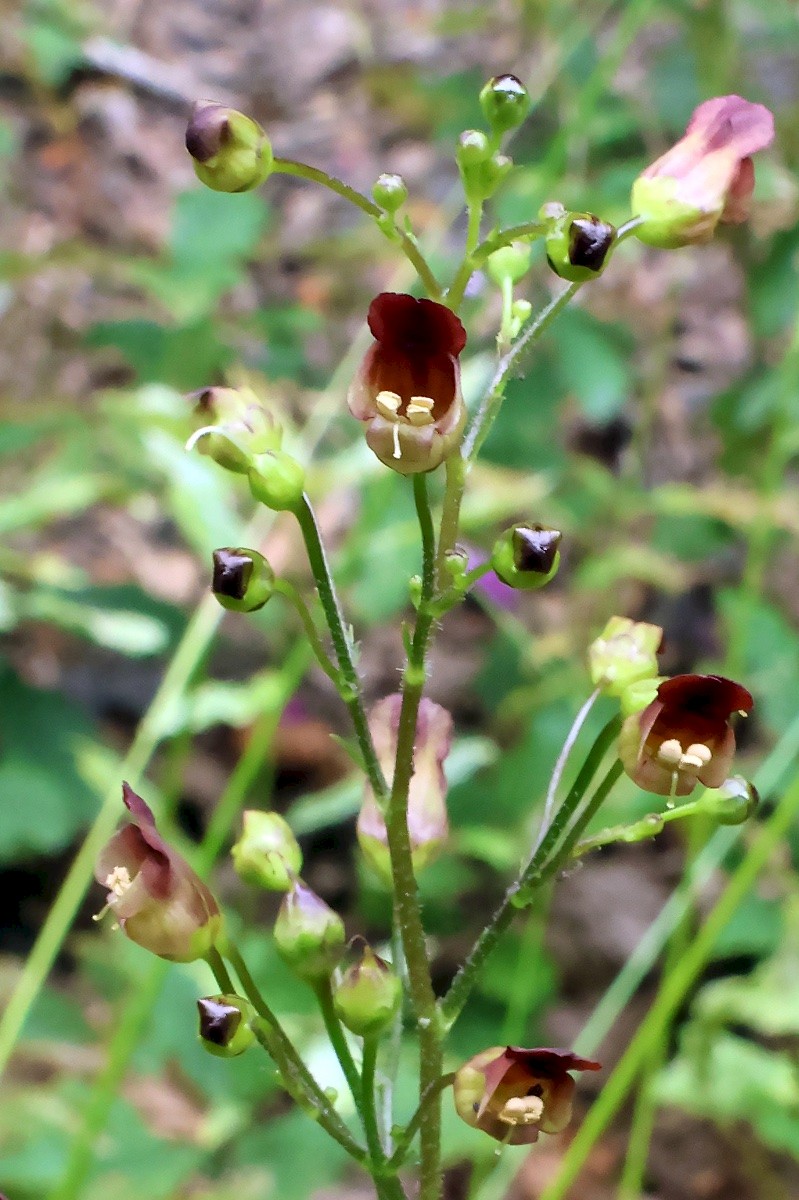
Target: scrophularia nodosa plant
669,735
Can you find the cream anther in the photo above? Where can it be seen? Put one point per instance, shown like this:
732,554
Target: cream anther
670,752
387,404
522,1110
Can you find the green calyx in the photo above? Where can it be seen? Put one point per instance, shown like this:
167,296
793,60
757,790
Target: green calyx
267,854
527,556
482,170
309,936
732,803
368,995
277,480
230,151
509,263
242,579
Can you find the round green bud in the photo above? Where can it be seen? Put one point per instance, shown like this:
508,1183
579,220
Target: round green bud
527,556
231,152
309,936
473,150
732,803
505,102
510,262
242,579
368,995
577,246
267,854
389,192
225,1025
278,480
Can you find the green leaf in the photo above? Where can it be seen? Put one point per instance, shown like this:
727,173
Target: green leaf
45,801
593,362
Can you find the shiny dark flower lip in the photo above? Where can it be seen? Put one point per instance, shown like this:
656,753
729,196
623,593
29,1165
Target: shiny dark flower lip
684,735
407,388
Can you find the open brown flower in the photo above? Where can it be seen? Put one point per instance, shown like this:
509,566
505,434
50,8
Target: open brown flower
513,1094
707,177
407,389
156,897
684,735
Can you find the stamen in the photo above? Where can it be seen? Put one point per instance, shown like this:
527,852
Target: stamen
696,756
522,1110
420,410
387,404
118,881
397,450
670,752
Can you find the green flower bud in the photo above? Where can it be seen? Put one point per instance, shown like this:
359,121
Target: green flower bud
389,192
242,579
527,556
625,653
278,481
510,262
505,102
577,244
309,936
267,853
231,152
225,1025
474,149
368,995
732,803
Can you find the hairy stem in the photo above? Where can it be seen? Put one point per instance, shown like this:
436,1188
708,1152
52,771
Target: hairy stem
410,249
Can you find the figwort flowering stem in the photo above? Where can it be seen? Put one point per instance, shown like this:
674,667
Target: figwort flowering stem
298,1080
560,765
409,246
338,1041
217,965
532,876
428,533
367,1103
349,684
464,273
404,881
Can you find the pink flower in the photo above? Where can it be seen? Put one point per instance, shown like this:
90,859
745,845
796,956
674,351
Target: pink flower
513,1094
407,389
707,177
156,897
684,735
428,825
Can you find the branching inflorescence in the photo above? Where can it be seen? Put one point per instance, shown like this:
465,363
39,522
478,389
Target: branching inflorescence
669,734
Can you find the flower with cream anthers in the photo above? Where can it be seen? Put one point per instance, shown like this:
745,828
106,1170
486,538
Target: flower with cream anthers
513,1094
156,897
407,389
707,177
684,735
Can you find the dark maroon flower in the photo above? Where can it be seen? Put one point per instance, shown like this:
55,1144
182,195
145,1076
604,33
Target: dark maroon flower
513,1094
156,897
684,735
407,389
707,177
